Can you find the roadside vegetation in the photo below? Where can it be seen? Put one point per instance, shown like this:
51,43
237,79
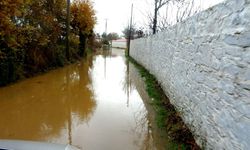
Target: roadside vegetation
33,36
167,118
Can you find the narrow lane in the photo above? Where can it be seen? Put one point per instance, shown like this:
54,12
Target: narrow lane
93,105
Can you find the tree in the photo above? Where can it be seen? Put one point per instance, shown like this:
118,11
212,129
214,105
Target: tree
185,8
170,12
9,65
104,35
112,36
126,32
33,34
83,21
140,33
9,10
98,36
105,38
43,31
158,4
130,35
67,29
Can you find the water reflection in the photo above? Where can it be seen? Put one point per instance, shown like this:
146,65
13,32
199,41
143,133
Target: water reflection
93,105
142,121
46,107
147,115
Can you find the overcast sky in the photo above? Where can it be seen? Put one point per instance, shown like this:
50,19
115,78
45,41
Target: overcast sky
117,12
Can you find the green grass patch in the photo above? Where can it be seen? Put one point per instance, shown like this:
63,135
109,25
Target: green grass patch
156,96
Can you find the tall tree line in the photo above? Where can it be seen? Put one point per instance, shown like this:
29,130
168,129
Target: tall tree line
33,35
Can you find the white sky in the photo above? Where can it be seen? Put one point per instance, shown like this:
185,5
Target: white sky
118,13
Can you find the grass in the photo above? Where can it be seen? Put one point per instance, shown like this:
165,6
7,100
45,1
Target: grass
152,88
167,118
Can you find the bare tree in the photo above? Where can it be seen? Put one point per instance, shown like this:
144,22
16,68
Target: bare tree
185,9
182,10
164,21
167,13
158,4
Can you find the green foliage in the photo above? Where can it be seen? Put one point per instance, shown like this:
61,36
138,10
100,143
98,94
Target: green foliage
11,65
94,44
135,32
126,32
112,36
105,42
60,59
107,38
104,35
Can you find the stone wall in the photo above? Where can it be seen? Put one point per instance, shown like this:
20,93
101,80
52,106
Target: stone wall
203,65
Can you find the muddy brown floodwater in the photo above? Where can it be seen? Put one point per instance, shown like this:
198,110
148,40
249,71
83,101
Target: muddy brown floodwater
93,105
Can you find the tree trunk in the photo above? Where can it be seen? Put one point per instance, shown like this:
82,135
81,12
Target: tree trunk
82,44
155,19
67,30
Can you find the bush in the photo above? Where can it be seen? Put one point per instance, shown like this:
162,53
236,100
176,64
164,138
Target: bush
105,42
60,56
11,65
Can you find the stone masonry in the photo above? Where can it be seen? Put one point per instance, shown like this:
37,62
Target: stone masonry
203,65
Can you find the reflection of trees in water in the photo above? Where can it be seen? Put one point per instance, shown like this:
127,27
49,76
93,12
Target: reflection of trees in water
79,95
42,107
105,54
127,84
142,128
142,124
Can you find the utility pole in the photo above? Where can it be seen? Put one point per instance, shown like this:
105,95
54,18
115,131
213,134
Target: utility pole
67,30
130,28
106,26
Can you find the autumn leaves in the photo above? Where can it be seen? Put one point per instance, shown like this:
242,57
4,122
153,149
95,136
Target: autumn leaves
33,33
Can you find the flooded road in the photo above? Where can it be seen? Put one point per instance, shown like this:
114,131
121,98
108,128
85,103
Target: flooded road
93,105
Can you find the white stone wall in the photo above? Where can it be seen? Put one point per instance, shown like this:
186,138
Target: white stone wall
203,65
